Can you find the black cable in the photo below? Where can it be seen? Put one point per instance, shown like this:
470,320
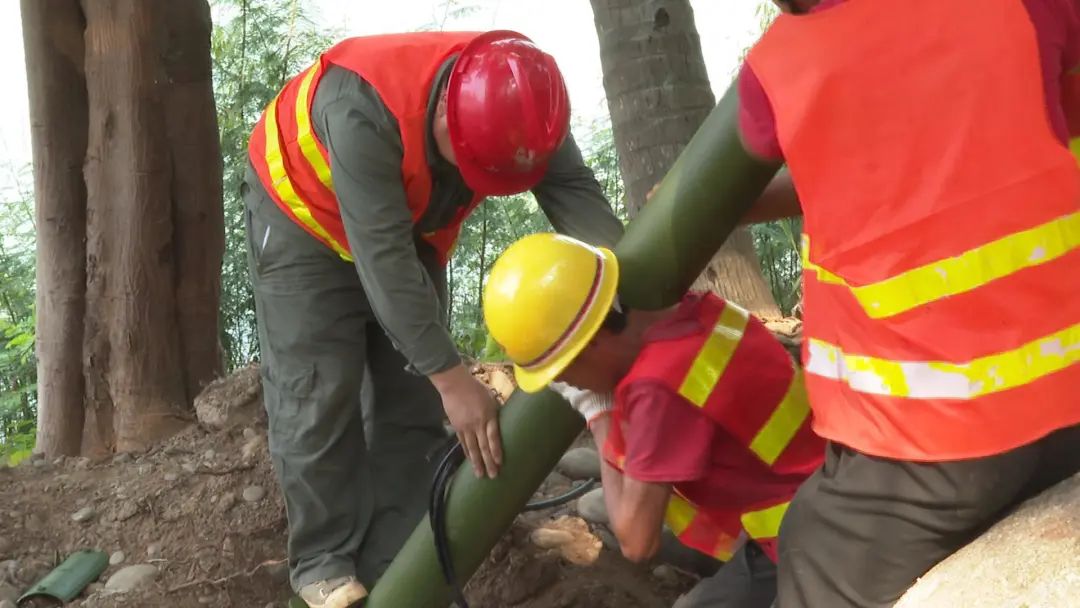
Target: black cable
440,487
556,501
439,490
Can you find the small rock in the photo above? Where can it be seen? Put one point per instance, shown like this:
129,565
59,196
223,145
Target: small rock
189,467
227,546
126,511
249,433
591,507
666,574
41,463
580,463
144,469
269,605
8,569
253,493
547,538
252,448
36,456
209,455
82,463
170,476
227,501
95,588
8,593
83,515
206,599
6,603
131,578
608,539
59,461
122,458
153,551
116,558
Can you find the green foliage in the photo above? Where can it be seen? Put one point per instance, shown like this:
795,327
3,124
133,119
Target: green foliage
777,245
18,366
257,46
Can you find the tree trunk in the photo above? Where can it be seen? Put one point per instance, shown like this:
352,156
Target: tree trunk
133,356
130,251
53,40
198,213
658,93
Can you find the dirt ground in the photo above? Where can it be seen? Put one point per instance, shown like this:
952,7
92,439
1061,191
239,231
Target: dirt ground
204,509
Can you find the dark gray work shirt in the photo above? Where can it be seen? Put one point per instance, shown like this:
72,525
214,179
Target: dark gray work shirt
364,143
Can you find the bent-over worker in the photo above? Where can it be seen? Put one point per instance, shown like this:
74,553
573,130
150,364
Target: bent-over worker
361,173
708,428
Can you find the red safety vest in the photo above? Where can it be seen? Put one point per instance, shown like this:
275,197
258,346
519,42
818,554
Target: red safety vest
741,377
942,218
293,165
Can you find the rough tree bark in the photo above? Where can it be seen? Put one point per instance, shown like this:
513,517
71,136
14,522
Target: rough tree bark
658,93
52,38
153,222
198,214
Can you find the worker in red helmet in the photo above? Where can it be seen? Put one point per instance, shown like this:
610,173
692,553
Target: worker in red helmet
361,172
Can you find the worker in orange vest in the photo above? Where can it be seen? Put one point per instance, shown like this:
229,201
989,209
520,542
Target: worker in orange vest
708,428
927,144
362,170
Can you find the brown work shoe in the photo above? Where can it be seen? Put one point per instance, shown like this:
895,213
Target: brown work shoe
340,592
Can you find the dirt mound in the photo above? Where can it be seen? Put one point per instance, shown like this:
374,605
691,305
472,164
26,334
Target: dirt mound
203,508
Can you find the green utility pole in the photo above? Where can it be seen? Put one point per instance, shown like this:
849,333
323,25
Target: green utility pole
665,248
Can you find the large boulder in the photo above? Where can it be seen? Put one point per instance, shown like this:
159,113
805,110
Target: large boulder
1029,559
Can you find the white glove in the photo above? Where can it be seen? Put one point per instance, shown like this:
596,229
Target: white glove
587,403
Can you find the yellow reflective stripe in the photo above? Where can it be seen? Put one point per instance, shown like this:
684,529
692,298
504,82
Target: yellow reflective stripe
961,273
766,522
712,359
785,421
1074,147
304,136
679,514
943,379
284,186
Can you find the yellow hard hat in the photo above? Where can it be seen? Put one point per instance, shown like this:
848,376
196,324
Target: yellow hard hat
546,297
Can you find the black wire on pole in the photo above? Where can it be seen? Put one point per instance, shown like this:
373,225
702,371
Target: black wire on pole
440,491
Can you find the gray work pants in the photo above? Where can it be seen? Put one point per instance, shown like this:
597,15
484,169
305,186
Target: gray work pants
352,433
747,580
862,529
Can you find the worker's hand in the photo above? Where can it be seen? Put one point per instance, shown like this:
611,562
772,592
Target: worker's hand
587,403
474,414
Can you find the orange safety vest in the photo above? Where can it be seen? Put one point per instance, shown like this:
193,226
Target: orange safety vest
293,165
942,220
745,381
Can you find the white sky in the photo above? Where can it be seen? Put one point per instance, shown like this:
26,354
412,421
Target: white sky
563,28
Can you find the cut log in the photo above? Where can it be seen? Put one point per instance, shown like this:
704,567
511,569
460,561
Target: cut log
1029,559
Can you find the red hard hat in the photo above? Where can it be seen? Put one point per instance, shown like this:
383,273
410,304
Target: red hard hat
507,112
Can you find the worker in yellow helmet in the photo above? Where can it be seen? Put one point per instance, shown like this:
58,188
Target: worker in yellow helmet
708,428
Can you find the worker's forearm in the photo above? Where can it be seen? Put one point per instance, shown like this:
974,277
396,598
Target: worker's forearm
778,201
610,477
573,200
